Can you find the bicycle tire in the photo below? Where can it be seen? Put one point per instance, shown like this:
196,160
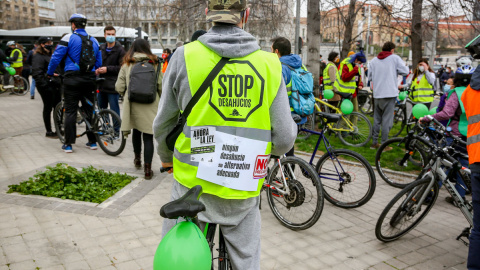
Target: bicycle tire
362,130
108,134
391,159
310,124
336,191
59,121
413,193
23,89
306,187
399,117
367,107
223,259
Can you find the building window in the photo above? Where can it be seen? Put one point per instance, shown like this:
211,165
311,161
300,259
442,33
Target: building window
7,6
33,12
164,41
25,10
378,19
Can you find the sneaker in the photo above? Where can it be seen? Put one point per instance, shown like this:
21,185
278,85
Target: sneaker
92,146
51,135
374,146
32,97
67,148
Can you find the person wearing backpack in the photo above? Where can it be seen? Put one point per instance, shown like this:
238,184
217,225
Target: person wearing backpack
140,81
82,57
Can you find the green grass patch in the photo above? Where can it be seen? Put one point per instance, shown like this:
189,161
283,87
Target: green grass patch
66,182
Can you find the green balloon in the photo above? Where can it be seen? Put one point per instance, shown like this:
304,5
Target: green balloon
10,70
433,111
346,107
184,247
402,95
328,94
419,111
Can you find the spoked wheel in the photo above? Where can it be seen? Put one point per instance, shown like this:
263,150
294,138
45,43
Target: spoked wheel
108,134
361,133
348,179
310,124
302,206
20,85
366,104
399,121
405,212
392,155
59,120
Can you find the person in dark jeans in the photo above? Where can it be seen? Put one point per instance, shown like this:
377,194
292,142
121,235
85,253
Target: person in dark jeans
112,55
77,83
49,89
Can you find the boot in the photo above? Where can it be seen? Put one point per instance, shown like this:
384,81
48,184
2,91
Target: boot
148,171
137,161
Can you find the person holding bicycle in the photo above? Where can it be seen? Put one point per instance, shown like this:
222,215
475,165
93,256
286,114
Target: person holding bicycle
3,70
470,98
454,113
49,89
422,83
82,58
238,124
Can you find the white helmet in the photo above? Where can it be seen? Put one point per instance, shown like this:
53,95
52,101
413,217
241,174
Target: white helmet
464,61
10,43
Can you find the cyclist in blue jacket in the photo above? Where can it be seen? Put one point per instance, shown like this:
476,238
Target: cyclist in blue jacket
77,84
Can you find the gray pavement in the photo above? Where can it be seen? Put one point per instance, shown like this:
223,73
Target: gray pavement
123,232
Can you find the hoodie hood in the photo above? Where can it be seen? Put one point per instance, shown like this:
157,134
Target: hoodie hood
140,56
384,54
292,60
229,41
475,81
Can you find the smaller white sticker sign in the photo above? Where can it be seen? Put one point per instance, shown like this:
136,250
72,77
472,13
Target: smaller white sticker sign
202,142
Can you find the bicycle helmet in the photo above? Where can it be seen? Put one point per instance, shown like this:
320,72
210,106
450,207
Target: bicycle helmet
464,61
473,47
78,18
466,69
10,43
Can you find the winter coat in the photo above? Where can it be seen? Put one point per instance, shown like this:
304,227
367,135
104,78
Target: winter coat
113,61
39,71
136,115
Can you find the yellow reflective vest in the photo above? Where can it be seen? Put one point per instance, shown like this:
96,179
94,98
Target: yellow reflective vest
327,81
422,91
228,120
341,86
19,62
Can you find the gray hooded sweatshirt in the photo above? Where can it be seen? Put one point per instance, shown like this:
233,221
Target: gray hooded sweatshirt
239,219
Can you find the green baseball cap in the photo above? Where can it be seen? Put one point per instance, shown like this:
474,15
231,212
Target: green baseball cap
226,11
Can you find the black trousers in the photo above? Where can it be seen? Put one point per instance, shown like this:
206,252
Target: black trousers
76,86
6,75
147,143
50,97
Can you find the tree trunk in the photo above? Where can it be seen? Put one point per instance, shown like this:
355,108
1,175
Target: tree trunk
313,39
347,33
416,31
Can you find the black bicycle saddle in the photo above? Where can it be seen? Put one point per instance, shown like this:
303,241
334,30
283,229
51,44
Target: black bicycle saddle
186,206
344,95
330,117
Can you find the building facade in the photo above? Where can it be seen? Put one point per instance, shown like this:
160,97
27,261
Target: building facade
46,12
18,14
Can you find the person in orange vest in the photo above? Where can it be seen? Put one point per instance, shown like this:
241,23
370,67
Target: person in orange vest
470,98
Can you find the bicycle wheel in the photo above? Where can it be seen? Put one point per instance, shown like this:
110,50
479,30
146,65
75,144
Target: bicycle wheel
310,124
366,107
301,208
398,159
107,131
59,121
348,179
400,215
20,86
362,131
399,122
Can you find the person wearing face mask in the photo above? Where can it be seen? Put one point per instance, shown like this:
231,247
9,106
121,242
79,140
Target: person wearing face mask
49,88
422,83
167,53
329,75
112,55
447,74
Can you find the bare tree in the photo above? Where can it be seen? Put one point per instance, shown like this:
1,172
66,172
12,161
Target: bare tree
313,39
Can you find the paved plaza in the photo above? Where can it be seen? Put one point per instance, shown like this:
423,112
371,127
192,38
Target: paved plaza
123,232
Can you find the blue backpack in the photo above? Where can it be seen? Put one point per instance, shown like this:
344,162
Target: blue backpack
302,99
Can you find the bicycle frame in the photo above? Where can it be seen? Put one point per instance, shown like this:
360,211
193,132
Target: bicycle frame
284,181
337,111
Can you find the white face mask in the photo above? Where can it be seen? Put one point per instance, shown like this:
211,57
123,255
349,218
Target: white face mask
421,68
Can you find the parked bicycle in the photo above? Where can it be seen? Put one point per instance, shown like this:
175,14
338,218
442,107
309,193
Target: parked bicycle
348,179
105,124
20,84
408,208
354,129
365,101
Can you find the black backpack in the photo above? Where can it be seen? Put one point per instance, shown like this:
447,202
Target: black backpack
142,87
87,55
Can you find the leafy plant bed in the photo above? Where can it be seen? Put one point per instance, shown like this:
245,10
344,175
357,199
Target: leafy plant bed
66,182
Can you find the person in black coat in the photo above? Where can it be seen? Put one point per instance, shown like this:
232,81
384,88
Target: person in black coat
49,89
112,58
6,75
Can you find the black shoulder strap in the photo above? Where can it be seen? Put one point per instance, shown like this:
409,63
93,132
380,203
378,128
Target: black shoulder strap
291,68
201,90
